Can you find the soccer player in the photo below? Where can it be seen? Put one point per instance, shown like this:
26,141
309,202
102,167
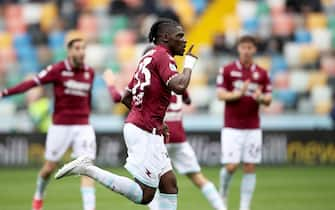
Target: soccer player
147,97
244,86
72,84
180,151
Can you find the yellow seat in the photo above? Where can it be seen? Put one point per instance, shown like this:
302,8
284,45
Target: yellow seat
309,54
185,11
263,62
231,23
5,40
316,21
317,78
48,16
323,107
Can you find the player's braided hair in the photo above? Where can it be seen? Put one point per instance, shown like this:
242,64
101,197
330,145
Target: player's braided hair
157,28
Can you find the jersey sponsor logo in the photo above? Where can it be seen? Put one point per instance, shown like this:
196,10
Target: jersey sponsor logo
87,75
76,88
236,74
252,87
66,73
255,75
172,67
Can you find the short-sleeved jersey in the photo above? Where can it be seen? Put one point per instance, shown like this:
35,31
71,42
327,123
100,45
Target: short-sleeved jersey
72,91
174,119
149,89
244,112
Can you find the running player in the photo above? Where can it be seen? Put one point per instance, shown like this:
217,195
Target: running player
244,86
147,97
180,151
72,84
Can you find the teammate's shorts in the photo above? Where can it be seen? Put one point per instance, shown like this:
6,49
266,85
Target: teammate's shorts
60,137
183,157
241,145
147,157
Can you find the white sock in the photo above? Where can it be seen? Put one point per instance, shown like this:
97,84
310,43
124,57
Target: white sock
119,184
213,196
41,183
88,196
167,201
247,189
154,204
225,179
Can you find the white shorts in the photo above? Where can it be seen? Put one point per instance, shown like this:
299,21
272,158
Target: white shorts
183,158
241,145
60,137
147,157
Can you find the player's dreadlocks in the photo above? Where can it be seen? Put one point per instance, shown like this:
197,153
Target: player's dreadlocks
158,26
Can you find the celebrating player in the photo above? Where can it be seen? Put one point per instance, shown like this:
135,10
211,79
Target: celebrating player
72,82
147,97
243,86
180,151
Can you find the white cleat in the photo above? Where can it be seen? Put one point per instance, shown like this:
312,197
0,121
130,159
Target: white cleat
75,167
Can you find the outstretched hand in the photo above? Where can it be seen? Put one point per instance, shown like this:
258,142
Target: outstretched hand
109,77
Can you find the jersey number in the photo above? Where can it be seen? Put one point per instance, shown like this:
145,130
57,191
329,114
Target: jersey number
143,79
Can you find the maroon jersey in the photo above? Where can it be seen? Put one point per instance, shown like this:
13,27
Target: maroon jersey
149,89
72,91
174,118
244,112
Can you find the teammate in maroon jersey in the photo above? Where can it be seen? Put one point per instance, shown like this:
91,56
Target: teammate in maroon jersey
147,97
72,84
180,151
244,86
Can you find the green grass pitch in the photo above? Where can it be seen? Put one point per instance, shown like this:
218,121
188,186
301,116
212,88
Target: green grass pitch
278,188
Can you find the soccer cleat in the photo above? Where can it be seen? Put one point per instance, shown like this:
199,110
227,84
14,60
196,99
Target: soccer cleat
75,167
37,204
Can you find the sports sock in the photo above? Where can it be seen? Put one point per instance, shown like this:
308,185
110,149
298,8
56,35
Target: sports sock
41,184
167,201
247,190
213,196
119,184
154,204
88,197
225,179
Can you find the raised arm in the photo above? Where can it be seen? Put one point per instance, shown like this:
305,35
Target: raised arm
180,82
109,78
20,88
47,75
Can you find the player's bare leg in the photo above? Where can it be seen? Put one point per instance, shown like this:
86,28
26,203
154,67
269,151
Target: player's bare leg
168,191
208,189
133,190
42,181
88,193
226,174
248,185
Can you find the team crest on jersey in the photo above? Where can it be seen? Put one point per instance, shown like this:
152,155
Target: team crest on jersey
255,75
86,75
172,67
235,74
66,73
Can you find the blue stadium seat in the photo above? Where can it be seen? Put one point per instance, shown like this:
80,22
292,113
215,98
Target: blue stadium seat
287,96
278,64
21,40
56,39
251,25
302,36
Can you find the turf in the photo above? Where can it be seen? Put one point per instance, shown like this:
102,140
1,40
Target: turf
278,188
